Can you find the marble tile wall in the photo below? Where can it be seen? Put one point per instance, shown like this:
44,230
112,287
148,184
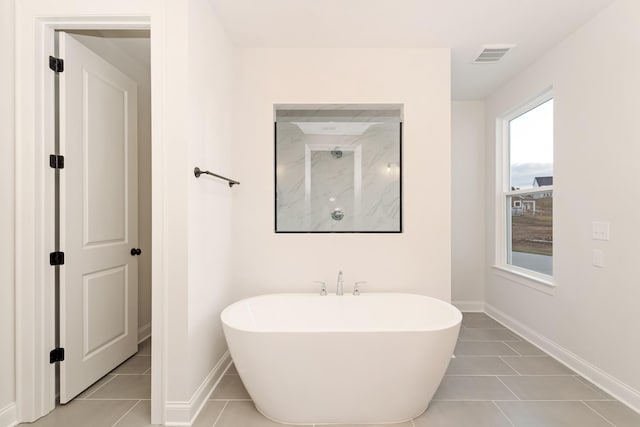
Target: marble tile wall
363,181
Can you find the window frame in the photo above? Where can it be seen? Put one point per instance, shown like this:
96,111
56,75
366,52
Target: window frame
502,266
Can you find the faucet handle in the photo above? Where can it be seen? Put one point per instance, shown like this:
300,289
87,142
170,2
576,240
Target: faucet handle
323,287
356,287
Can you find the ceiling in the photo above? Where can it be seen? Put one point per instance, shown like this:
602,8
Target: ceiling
135,43
462,25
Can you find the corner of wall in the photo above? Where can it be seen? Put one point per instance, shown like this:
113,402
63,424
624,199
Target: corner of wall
7,215
467,204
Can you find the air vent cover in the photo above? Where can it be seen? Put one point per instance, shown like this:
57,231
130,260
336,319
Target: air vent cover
492,53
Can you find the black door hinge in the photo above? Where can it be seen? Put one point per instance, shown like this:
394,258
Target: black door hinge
56,162
56,64
56,355
56,258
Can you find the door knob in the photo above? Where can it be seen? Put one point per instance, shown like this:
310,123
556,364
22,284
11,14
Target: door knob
135,251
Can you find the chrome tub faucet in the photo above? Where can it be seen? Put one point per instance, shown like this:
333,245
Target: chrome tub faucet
323,287
339,287
356,287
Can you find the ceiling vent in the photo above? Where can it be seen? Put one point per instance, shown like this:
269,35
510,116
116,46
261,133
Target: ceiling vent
492,53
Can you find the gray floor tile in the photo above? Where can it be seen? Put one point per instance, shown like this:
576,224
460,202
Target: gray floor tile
125,387
537,365
139,416
209,414
136,365
144,348
595,387
616,413
479,320
477,365
81,413
468,348
551,414
484,334
462,414
102,381
492,370
230,387
550,388
472,388
525,348
244,414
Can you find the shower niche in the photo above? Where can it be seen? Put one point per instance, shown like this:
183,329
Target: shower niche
338,168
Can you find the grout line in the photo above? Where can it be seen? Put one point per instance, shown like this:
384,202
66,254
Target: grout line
94,391
528,356
220,414
126,413
509,365
511,391
489,375
503,413
510,375
593,387
517,352
517,400
598,413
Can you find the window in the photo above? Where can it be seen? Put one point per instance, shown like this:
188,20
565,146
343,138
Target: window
528,190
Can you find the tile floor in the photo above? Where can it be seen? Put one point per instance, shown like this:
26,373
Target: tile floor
497,379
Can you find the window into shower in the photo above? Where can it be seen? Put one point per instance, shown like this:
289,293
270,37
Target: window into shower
338,168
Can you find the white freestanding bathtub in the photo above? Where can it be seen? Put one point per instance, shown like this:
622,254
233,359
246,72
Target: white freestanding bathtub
311,359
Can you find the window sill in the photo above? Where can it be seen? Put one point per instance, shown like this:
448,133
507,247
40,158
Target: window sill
539,283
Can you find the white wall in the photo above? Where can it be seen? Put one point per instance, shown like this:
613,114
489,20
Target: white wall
7,286
209,144
467,204
418,260
594,312
137,69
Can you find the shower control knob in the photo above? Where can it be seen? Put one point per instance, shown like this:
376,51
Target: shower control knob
135,251
337,214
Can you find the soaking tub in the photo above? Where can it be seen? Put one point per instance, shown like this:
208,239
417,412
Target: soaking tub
311,359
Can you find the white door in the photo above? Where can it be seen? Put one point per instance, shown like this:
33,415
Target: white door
98,217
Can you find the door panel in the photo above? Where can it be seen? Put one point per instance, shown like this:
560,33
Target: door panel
104,308
98,217
105,148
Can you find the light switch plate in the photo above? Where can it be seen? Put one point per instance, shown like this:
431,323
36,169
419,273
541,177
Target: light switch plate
600,231
598,258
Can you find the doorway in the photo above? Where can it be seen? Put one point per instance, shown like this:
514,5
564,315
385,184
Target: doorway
34,224
103,212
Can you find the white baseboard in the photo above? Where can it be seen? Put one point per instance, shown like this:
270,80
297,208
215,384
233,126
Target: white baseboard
469,306
185,413
8,416
616,388
144,332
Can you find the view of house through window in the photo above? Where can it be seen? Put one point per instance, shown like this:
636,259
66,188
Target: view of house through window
529,200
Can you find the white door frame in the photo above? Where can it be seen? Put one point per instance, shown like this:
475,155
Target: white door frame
34,215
